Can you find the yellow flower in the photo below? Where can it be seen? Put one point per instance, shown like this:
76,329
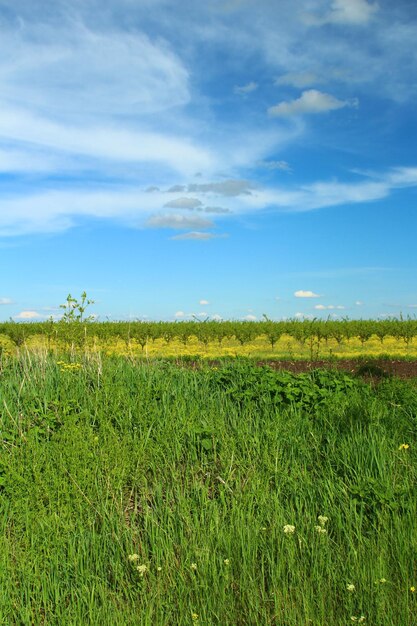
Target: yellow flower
142,569
382,581
133,557
412,589
322,520
403,446
320,530
193,566
226,561
289,529
350,587
194,617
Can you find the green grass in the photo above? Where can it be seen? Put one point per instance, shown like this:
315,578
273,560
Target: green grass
180,466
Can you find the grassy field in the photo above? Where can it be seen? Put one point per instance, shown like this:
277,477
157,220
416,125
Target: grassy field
149,494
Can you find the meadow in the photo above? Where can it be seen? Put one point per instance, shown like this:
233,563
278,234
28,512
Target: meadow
139,491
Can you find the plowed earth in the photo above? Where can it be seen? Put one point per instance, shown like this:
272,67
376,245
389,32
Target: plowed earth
377,368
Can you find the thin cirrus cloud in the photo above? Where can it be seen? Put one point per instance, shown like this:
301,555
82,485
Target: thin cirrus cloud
311,101
275,165
245,89
345,12
57,210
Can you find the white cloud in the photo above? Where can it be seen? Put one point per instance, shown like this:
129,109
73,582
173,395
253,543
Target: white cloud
50,62
216,317
113,142
243,91
5,301
329,307
349,12
359,303
250,318
184,203
306,294
310,101
57,210
178,221
275,165
179,314
27,315
204,302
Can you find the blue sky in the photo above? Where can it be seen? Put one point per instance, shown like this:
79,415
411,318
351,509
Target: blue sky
226,159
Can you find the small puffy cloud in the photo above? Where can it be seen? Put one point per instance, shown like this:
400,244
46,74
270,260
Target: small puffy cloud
198,236
179,314
216,317
27,315
300,315
329,307
216,209
176,189
350,12
359,303
178,221
152,189
245,89
183,203
5,301
299,79
250,318
305,294
310,102
204,302
275,165
232,187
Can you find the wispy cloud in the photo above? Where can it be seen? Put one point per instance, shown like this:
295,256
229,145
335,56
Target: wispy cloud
5,301
345,12
275,165
310,101
245,89
299,79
